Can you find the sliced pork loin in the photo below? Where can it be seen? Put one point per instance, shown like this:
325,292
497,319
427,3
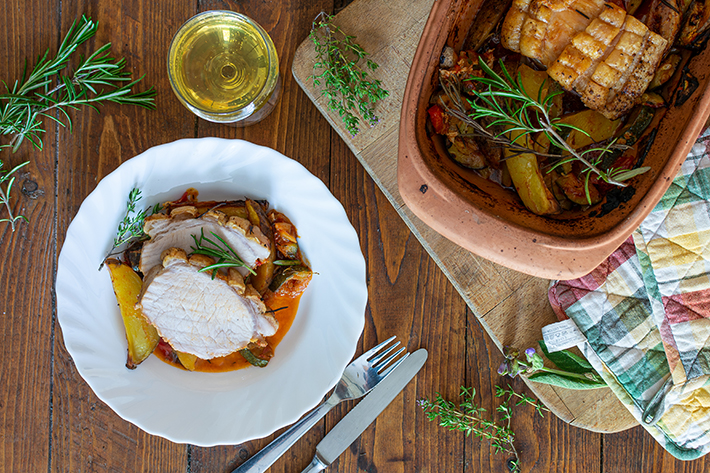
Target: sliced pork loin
176,231
540,29
611,63
200,315
590,47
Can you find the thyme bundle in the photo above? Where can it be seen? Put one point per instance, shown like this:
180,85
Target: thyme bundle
470,418
348,86
44,90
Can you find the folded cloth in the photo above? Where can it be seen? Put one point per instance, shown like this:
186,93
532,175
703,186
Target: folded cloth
673,244
645,314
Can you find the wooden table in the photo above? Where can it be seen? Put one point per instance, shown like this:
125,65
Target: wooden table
49,418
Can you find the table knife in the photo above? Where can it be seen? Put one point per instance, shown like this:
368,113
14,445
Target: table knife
364,413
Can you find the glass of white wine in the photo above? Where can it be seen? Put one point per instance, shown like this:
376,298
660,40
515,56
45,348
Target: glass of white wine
223,67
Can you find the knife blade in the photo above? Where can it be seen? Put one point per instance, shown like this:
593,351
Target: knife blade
364,413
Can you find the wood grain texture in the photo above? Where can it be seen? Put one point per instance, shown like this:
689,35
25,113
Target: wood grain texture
50,420
26,271
392,43
87,435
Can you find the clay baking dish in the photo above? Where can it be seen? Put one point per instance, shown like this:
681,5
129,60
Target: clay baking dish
491,221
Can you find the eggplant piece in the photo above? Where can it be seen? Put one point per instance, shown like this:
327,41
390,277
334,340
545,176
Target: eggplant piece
696,24
487,19
265,271
467,153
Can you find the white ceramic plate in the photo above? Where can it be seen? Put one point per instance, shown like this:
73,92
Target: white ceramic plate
209,409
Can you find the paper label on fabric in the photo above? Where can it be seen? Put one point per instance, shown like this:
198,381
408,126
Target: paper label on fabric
562,335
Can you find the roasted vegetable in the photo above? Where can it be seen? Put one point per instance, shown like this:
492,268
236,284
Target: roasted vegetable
665,70
285,235
467,153
265,271
141,335
696,24
576,190
538,86
291,281
529,182
187,360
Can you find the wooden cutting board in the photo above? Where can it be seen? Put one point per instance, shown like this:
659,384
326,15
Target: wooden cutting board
512,307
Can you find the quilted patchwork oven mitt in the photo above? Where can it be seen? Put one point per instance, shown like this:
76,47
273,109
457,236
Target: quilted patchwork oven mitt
646,313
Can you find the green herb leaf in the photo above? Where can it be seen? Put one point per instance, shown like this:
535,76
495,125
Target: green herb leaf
346,85
252,358
560,380
96,79
566,360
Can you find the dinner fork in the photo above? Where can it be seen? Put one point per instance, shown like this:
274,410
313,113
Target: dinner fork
359,378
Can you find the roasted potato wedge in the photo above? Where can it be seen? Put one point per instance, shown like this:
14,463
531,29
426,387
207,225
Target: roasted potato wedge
529,181
141,335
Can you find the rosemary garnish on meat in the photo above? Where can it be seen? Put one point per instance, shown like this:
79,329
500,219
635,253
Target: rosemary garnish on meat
44,90
348,86
505,108
222,253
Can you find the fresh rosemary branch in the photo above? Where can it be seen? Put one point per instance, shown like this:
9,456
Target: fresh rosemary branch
505,105
347,84
225,256
44,92
469,418
7,178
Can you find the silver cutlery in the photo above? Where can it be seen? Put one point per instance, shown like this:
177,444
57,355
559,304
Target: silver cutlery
359,378
361,416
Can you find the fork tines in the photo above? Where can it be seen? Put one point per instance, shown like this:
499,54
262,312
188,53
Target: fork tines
382,365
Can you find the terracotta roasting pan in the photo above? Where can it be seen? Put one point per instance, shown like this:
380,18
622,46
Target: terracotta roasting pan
490,221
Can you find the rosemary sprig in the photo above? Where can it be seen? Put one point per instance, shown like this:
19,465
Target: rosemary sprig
505,105
223,254
44,92
347,84
7,178
470,418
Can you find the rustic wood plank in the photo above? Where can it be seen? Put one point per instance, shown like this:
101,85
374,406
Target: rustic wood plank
87,435
296,129
27,257
392,40
409,298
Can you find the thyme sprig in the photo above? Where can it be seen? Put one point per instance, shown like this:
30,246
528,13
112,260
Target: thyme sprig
8,179
348,86
44,92
505,106
131,226
220,250
470,418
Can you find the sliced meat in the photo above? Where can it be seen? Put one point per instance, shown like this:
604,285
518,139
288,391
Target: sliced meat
611,63
200,315
540,29
176,231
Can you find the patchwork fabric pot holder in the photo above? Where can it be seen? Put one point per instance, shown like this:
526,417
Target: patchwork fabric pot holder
646,314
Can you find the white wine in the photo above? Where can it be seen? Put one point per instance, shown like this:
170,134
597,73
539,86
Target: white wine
223,66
